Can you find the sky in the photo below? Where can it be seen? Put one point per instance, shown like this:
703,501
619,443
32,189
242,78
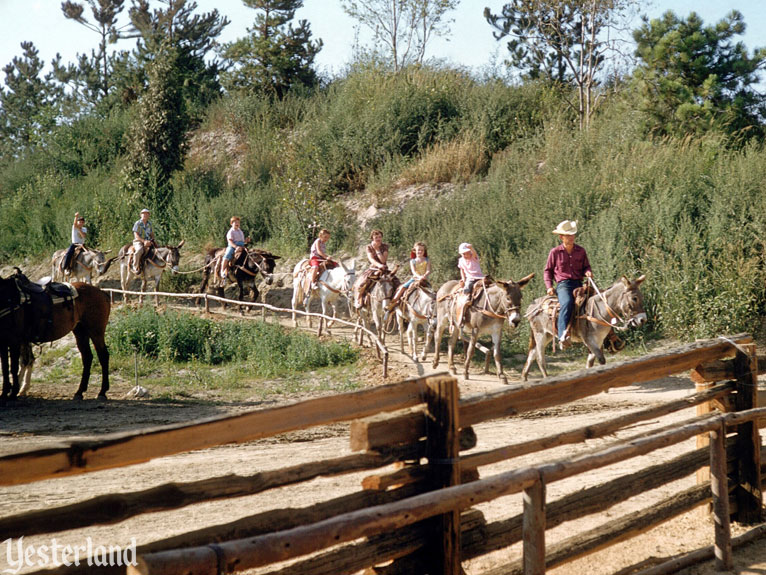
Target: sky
470,42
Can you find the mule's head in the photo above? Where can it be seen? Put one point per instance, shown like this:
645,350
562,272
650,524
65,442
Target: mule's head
631,302
265,262
512,299
173,256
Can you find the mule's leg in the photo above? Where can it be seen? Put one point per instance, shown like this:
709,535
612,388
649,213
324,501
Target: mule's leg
400,322
542,341
596,353
437,341
531,353
486,361
496,339
203,285
294,303
6,373
469,351
103,358
429,334
83,345
453,337
26,363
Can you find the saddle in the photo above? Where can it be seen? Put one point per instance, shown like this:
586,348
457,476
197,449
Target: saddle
550,306
461,302
146,254
38,301
79,248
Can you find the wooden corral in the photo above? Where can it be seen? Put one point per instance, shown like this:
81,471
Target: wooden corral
419,517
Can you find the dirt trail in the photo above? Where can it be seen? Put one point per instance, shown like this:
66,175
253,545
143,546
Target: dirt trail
49,417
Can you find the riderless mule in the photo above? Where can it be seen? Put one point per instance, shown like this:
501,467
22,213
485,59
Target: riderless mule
497,304
155,263
619,307
86,266
30,313
418,308
245,267
376,303
332,284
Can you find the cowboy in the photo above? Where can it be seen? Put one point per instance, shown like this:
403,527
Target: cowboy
567,265
79,233
143,239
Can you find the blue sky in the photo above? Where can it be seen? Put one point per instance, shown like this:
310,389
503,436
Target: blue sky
469,44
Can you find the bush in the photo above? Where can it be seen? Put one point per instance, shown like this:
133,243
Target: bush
268,349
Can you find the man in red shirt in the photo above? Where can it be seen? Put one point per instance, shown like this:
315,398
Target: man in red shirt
567,265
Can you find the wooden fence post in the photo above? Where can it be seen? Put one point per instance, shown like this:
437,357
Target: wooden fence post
719,487
443,452
748,445
534,529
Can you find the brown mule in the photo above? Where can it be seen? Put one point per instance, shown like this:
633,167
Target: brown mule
28,314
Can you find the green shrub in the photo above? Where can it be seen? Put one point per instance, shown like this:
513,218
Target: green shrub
268,349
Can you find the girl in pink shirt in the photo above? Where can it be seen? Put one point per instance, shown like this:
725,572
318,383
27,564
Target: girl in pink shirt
469,266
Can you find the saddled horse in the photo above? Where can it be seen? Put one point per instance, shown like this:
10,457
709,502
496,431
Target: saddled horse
418,308
331,284
620,306
86,266
30,313
376,303
497,304
245,268
156,262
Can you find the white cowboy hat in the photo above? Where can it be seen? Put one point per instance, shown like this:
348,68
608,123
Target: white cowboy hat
464,247
566,228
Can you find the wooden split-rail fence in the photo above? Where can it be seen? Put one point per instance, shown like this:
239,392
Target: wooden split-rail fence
419,515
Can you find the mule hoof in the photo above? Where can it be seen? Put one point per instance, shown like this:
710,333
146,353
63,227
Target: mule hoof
77,397
102,397
415,358
504,380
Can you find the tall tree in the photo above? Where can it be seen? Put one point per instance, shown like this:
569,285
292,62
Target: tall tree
403,27
193,36
275,56
157,136
28,103
92,77
694,78
565,41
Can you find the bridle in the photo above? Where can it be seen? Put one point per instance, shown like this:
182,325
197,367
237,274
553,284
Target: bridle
508,308
616,321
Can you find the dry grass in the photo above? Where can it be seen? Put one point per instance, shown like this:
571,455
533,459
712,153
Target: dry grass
457,161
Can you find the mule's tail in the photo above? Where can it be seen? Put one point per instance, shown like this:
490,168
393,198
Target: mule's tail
532,342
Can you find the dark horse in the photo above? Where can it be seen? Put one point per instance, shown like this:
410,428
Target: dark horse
28,314
245,267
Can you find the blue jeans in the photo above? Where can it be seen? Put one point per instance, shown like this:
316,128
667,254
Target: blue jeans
230,251
564,291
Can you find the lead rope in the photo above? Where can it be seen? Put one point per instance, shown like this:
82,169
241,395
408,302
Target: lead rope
615,317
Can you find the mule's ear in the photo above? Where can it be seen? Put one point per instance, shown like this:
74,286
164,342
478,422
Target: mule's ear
524,281
178,247
107,251
625,281
342,265
640,279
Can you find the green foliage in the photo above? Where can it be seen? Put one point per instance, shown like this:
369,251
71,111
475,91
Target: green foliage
267,348
694,78
276,56
157,136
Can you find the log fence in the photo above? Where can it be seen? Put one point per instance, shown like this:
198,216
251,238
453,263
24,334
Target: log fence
422,516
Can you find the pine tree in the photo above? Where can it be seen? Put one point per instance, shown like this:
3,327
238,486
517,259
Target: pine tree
276,56
92,77
157,136
694,78
193,37
28,109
